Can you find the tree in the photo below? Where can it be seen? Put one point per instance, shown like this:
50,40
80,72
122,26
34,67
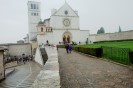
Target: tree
119,29
87,41
101,30
98,32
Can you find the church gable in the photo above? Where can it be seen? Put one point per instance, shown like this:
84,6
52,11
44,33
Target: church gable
65,10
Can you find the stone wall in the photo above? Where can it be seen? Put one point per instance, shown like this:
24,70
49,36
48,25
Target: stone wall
19,49
111,36
38,57
2,72
49,77
34,46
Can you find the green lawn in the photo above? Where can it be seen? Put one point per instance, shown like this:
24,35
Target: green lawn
121,44
116,51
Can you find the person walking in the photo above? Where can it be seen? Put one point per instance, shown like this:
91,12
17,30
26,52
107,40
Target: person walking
16,59
66,46
24,59
69,48
57,47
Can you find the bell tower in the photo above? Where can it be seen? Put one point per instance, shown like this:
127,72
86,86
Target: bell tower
34,16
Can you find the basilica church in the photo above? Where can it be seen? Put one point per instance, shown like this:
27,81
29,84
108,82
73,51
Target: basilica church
61,27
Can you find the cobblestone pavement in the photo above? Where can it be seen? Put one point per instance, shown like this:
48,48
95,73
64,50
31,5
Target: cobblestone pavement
23,77
80,71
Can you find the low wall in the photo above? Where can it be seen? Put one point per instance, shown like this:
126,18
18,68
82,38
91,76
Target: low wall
16,49
111,36
2,71
49,77
38,57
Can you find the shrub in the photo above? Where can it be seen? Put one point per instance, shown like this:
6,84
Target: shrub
61,46
114,41
90,51
131,56
76,48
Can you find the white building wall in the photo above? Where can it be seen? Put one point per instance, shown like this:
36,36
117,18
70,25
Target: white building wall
34,16
56,22
79,36
64,8
57,36
42,39
58,27
47,23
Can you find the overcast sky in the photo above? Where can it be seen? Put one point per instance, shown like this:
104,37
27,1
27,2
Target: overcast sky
93,15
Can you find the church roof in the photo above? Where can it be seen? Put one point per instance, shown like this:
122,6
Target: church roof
40,22
46,20
66,6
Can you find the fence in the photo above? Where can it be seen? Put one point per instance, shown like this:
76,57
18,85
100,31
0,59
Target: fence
120,55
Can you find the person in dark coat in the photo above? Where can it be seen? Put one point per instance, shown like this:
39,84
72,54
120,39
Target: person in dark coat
69,48
57,47
66,46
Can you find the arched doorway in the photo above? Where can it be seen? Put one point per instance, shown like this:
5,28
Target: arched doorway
64,39
67,37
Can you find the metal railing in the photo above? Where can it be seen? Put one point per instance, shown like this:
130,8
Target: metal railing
116,54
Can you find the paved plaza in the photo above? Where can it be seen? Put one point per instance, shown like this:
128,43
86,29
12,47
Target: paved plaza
80,71
23,76
76,71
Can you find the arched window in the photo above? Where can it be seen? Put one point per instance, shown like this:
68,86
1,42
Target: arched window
66,12
31,6
34,6
64,39
41,29
34,14
68,39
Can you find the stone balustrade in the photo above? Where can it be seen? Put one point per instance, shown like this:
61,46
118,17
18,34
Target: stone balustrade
49,77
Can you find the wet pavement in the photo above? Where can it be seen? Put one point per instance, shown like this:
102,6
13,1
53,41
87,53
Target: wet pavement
23,76
80,71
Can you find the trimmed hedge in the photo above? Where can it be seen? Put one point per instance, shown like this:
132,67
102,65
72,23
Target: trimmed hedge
114,41
91,51
98,52
61,46
87,50
131,57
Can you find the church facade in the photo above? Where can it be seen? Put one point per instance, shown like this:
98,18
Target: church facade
62,27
